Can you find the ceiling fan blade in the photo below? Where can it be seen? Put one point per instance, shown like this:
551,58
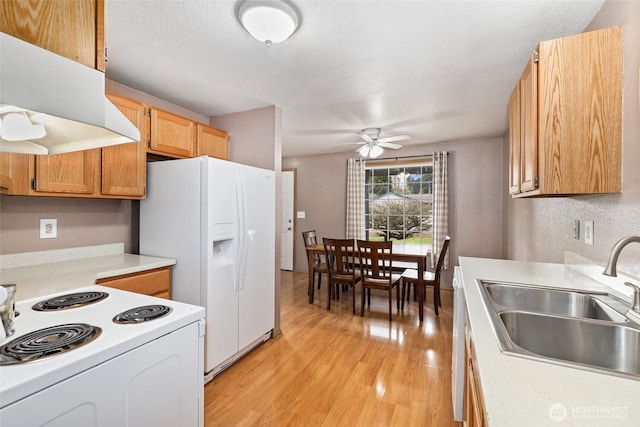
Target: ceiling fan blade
366,137
394,138
389,145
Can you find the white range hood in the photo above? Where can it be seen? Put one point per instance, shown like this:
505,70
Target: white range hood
63,95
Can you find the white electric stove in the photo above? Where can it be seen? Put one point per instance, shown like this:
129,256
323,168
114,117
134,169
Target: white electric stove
145,371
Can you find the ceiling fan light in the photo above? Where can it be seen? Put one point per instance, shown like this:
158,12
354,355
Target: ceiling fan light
364,150
269,21
375,151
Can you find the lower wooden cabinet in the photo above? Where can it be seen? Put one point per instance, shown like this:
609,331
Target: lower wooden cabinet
473,404
155,282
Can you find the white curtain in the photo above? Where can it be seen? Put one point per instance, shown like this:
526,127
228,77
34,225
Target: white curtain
355,199
440,206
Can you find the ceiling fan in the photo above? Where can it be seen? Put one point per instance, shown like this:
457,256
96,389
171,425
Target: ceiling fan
373,144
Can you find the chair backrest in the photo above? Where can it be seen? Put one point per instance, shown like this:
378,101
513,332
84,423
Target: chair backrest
375,259
340,255
440,262
310,238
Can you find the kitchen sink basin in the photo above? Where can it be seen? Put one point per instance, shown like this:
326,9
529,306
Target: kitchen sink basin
581,329
607,346
552,301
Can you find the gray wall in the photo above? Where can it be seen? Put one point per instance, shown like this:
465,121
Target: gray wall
476,186
540,229
81,222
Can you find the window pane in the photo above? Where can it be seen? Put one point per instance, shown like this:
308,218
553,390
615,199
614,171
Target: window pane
399,204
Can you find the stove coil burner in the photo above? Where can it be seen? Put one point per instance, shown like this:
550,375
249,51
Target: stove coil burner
47,342
64,302
142,314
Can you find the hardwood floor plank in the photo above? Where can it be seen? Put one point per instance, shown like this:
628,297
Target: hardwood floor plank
331,368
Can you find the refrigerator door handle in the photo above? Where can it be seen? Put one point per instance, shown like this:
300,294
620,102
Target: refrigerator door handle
242,232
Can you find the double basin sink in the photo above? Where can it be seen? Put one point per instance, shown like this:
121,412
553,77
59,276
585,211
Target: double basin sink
581,329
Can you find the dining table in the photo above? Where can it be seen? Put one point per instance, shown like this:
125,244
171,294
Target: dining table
406,254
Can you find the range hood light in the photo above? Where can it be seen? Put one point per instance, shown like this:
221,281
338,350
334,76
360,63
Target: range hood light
18,127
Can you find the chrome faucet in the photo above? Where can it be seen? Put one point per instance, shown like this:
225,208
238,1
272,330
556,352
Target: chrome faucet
610,269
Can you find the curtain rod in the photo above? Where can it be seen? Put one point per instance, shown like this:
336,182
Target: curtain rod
398,158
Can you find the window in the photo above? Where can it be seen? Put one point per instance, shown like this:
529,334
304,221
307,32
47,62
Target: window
399,202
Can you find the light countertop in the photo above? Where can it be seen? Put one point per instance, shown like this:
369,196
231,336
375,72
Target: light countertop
522,392
69,269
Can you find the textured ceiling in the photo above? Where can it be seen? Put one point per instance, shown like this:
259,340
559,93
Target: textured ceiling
435,70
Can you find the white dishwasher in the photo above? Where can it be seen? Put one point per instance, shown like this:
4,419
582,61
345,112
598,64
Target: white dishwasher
457,351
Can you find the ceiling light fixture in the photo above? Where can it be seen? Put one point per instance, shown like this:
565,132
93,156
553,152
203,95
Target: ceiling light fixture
370,150
269,21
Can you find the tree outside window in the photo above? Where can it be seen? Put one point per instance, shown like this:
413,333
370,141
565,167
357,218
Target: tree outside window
399,203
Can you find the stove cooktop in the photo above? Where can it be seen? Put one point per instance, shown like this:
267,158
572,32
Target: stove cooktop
113,339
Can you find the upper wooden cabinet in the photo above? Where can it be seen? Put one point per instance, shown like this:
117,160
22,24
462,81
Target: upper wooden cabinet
570,123
14,173
171,134
124,166
213,142
514,140
73,29
76,173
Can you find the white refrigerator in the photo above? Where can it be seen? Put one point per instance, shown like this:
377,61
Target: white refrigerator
217,220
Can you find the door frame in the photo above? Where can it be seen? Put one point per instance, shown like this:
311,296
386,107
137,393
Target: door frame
293,214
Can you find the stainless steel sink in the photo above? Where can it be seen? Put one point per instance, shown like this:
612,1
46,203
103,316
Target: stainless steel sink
552,301
581,329
606,346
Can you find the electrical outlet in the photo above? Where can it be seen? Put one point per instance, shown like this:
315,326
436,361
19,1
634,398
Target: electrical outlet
588,232
576,229
48,228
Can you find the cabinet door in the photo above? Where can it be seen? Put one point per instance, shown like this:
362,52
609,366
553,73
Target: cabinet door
73,29
213,142
14,173
529,125
124,166
172,135
515,138
70,173
580,102
156,282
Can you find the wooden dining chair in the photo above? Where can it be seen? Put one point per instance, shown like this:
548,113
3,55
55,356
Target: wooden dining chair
376,271
410,277
342,269
319,265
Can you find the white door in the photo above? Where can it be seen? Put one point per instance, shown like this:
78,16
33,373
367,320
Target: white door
286,222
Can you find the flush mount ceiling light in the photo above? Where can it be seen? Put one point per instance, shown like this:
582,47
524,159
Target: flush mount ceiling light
269,21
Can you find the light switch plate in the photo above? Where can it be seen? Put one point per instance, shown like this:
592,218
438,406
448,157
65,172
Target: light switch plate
576,229
301,214
588,232
48,228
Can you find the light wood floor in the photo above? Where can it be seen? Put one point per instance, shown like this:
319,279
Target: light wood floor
331,368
